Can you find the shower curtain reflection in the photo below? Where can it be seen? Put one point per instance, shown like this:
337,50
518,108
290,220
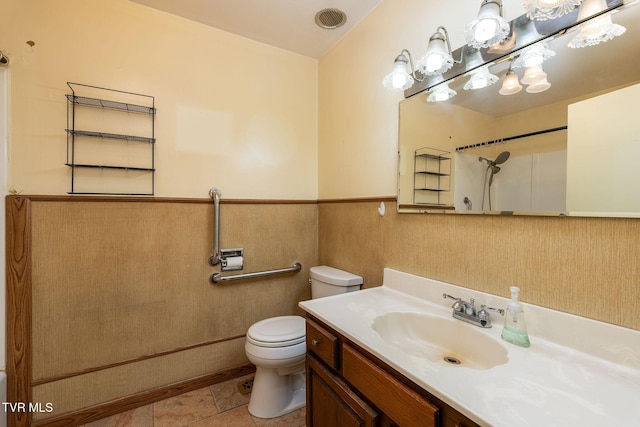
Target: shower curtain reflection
533,182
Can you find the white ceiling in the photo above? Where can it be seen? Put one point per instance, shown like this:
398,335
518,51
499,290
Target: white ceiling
288,24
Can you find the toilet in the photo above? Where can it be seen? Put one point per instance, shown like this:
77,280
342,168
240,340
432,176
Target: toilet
277,346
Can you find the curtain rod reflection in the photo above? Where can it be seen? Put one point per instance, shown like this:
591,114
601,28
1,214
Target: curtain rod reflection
509,138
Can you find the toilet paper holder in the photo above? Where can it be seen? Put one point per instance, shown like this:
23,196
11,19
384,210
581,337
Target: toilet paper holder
232,259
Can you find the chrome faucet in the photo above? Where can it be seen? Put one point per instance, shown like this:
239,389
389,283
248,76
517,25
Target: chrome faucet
466,311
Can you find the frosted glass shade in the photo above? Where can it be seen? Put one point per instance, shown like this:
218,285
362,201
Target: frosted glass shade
510,84
533,55
542,10
442,92
480,78
597,30
489,27
400,77
533,75
437,60
539,86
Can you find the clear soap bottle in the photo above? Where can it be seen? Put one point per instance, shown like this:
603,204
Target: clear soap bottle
515,328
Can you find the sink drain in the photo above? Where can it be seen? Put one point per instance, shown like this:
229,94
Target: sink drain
452,360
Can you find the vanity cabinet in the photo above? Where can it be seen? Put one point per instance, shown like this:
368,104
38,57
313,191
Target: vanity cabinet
347,386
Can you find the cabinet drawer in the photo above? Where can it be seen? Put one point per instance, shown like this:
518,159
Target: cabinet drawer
403,405
322,343
331,403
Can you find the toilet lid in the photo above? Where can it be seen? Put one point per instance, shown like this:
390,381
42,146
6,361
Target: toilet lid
278,331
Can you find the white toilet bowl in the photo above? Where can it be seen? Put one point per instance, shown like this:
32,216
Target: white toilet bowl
277,347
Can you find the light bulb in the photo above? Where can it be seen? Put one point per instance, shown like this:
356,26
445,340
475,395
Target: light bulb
398,80
434,62
441,96
485,30
480,78
533,55
440,93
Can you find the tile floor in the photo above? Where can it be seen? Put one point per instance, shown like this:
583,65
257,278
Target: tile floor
220,405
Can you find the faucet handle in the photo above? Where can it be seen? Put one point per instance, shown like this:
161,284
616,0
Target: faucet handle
445,296
483,309
484,317
458,305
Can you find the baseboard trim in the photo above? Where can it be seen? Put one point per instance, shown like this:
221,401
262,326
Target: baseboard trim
114,407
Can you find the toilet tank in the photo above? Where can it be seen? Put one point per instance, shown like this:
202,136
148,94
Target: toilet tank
326,281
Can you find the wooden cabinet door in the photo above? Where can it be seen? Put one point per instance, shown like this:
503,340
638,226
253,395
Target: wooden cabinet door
331,403
403,405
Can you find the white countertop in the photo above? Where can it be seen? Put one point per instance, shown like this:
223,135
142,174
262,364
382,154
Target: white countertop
591,379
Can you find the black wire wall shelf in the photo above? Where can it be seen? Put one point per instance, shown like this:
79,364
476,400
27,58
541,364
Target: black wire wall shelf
124,168
92,134
118,101
113,105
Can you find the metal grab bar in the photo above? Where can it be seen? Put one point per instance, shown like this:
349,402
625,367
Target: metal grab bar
215,194
217,277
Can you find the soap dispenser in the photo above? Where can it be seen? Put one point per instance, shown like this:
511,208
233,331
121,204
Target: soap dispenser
515,329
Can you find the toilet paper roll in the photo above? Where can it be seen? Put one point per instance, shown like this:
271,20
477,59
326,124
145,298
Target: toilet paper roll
235,262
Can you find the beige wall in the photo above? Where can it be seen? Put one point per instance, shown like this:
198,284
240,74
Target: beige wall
603,139
232,113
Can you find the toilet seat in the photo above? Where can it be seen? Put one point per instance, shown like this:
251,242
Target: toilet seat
281,331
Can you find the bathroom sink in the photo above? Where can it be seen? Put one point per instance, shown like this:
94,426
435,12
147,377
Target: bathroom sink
441,340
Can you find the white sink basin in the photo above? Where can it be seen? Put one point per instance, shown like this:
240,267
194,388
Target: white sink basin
442,340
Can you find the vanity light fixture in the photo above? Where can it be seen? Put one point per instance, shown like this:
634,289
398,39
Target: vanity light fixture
489,27
402,75
542,10
438,58
597,30
510,84
480,78
533,55
441,92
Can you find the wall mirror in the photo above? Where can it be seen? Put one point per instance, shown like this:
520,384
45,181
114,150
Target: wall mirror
573,149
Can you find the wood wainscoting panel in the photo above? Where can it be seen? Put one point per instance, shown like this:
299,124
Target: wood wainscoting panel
116,406
18,305
111,297
92,389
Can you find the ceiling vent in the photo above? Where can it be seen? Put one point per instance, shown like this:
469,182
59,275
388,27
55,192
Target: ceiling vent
330,18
